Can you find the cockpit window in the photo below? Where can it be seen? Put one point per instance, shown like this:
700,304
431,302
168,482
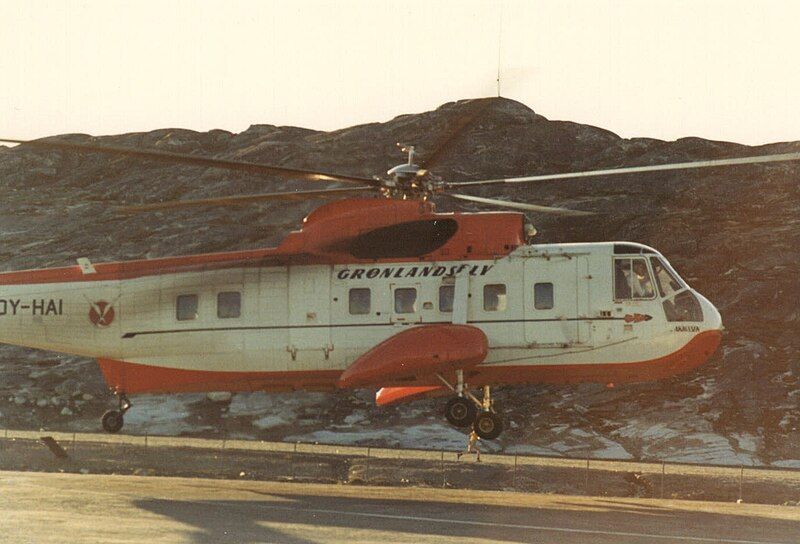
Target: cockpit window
631,248
683,307
667,283
632,279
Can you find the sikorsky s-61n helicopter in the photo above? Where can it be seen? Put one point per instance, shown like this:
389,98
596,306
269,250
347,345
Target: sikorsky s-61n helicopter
379,291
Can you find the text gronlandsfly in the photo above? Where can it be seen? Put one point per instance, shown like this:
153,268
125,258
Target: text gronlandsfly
413,271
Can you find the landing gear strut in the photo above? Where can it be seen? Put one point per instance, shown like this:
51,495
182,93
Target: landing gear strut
465,410
488,424
113,419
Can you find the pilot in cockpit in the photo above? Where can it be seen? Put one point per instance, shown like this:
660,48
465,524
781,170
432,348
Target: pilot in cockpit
641,285
665,281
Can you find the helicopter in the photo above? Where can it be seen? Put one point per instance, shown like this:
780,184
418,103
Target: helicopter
376,290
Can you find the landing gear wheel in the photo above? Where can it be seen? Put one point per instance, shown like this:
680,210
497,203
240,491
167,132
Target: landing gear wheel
488,425
112,421
460,412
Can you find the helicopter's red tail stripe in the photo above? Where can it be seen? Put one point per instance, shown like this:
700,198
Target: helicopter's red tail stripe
136,378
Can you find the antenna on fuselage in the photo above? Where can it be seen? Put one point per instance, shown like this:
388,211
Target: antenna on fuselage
499,47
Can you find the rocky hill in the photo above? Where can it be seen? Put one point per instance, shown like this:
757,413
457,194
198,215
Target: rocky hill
733,233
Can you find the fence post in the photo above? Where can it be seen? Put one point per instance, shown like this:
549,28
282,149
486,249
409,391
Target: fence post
514,484
663,473
741,477
444,476
221,456
586,483
366,472
294,455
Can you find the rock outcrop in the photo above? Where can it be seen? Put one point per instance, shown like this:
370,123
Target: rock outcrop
732,232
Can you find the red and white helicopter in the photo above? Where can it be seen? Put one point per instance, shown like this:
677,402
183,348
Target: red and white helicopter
381,293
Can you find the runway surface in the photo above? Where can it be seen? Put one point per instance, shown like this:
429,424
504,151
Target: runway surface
57,508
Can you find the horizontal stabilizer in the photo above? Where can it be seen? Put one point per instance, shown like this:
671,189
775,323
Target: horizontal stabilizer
387,396
419,351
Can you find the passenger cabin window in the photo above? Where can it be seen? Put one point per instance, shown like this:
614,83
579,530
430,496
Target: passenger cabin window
446,295
405,300
543,296
229,304
186,307
632,280
360,301
494,297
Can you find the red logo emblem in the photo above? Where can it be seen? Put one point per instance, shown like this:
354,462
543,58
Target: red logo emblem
101,313
637,318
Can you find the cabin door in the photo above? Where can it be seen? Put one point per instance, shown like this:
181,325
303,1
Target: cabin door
309,316
557,301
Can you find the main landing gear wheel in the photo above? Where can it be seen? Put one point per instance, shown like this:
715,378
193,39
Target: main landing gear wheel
114,419
464,410
488,425
460,412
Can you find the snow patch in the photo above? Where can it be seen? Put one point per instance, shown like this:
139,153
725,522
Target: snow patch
163,415
426,436
786,463
270,421
258,404
689,441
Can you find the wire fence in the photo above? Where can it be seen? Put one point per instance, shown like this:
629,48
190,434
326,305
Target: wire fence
327,463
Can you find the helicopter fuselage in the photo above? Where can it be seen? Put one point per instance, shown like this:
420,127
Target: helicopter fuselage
552,313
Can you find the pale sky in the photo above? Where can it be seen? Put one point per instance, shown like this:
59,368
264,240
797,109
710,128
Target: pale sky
725,70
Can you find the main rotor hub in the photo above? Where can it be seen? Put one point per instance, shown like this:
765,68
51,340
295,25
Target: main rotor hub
404,171
409,180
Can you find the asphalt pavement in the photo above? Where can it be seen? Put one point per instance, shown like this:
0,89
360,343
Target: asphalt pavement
109,509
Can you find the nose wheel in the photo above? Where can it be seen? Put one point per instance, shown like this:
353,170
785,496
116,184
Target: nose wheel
113,420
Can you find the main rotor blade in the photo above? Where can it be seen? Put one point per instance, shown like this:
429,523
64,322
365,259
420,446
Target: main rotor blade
446,140
243,200
517,205
633,170
195,160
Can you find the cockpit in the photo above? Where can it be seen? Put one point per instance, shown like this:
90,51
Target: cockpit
641,273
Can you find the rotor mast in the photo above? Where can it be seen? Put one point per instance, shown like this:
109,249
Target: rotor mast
406,180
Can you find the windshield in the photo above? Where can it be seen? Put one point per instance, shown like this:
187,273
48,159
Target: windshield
667,283
680,304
